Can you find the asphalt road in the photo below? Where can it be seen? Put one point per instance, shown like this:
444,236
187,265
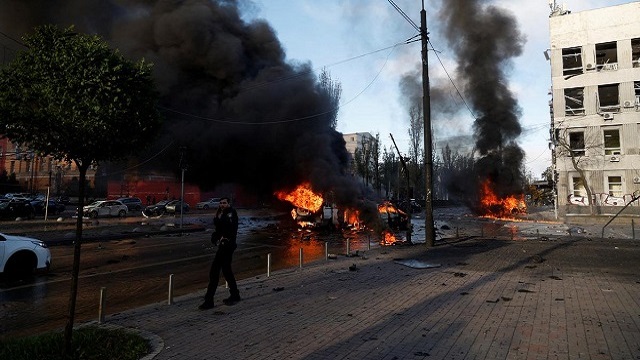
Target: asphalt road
136,271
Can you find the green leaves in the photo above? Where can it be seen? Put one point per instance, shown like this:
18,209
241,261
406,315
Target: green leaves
73,97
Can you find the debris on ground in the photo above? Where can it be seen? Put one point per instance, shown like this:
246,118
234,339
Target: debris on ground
416,264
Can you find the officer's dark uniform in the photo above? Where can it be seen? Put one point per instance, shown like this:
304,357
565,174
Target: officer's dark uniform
226,223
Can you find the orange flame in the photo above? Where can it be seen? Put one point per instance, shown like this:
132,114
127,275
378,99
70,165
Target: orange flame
302,197
352,217
492,205
388,238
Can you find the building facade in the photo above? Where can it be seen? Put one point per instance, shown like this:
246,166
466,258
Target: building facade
595,110
35,173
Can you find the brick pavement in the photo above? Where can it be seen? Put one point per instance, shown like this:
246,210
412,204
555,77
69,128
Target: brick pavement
564,298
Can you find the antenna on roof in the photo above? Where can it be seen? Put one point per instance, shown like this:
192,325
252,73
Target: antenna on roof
557,10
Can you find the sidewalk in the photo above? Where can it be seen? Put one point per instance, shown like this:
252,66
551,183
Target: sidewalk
569,298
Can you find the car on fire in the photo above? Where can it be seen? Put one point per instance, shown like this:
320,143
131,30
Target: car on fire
21,256
105,208
392,216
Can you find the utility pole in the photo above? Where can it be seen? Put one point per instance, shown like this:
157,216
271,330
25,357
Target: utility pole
183,167
426,112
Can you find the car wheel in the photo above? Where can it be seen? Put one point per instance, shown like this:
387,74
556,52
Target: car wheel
122,213
20,266
93,215
206,207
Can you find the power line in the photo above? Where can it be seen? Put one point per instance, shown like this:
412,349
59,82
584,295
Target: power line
404,15
231,121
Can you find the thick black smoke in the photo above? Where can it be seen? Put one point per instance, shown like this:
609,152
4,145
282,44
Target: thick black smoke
259,121
485,39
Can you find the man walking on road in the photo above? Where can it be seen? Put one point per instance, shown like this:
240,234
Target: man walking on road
226,223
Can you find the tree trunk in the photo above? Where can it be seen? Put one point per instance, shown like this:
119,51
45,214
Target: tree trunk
68,330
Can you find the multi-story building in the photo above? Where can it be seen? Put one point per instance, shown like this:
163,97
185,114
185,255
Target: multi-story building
36,173
361,141
595,128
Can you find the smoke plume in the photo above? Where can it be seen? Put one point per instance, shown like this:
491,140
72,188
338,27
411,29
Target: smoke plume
485,38
243,113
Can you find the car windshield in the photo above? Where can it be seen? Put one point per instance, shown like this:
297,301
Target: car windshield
163,202
95,203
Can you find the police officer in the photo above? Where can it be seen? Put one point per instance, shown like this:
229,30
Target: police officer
226,223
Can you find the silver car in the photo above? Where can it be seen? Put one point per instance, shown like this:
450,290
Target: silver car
212,203
105,208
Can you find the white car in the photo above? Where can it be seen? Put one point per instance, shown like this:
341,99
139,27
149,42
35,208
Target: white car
105,208
22,256
212,203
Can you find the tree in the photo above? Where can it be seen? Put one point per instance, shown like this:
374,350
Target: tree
72,97
574,145
334,90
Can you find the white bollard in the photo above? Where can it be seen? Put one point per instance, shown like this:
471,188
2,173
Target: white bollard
326,251
268,264
300,258
170,300
103,302
348,247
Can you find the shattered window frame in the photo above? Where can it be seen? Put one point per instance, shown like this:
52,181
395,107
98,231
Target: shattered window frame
576,143
614,185
577,186
607,56
574,101
572,61
609,97
611,141
635,52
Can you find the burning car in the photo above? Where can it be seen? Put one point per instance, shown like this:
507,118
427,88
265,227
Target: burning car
392,216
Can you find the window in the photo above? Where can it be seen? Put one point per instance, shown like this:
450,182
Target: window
572,61
636,89
607,56
611,141
578,186
608,97
12,167
615,186
576,143
573,99
635,52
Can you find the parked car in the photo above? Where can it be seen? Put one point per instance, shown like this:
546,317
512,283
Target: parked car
105,208
212,203
133,203
54,207
63,199
13,208
173,207
22,256
156,209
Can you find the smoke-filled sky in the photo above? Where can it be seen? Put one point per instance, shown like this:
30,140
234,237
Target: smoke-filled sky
331,31
293,40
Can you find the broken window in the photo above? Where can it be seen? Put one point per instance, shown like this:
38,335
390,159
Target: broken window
574,101
578,186
607,56
615,186
572,61
635,52
611,141
576,143
608,97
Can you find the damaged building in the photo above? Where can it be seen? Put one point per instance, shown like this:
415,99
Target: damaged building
595,109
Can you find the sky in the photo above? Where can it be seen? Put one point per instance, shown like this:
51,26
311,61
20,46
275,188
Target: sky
362,45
